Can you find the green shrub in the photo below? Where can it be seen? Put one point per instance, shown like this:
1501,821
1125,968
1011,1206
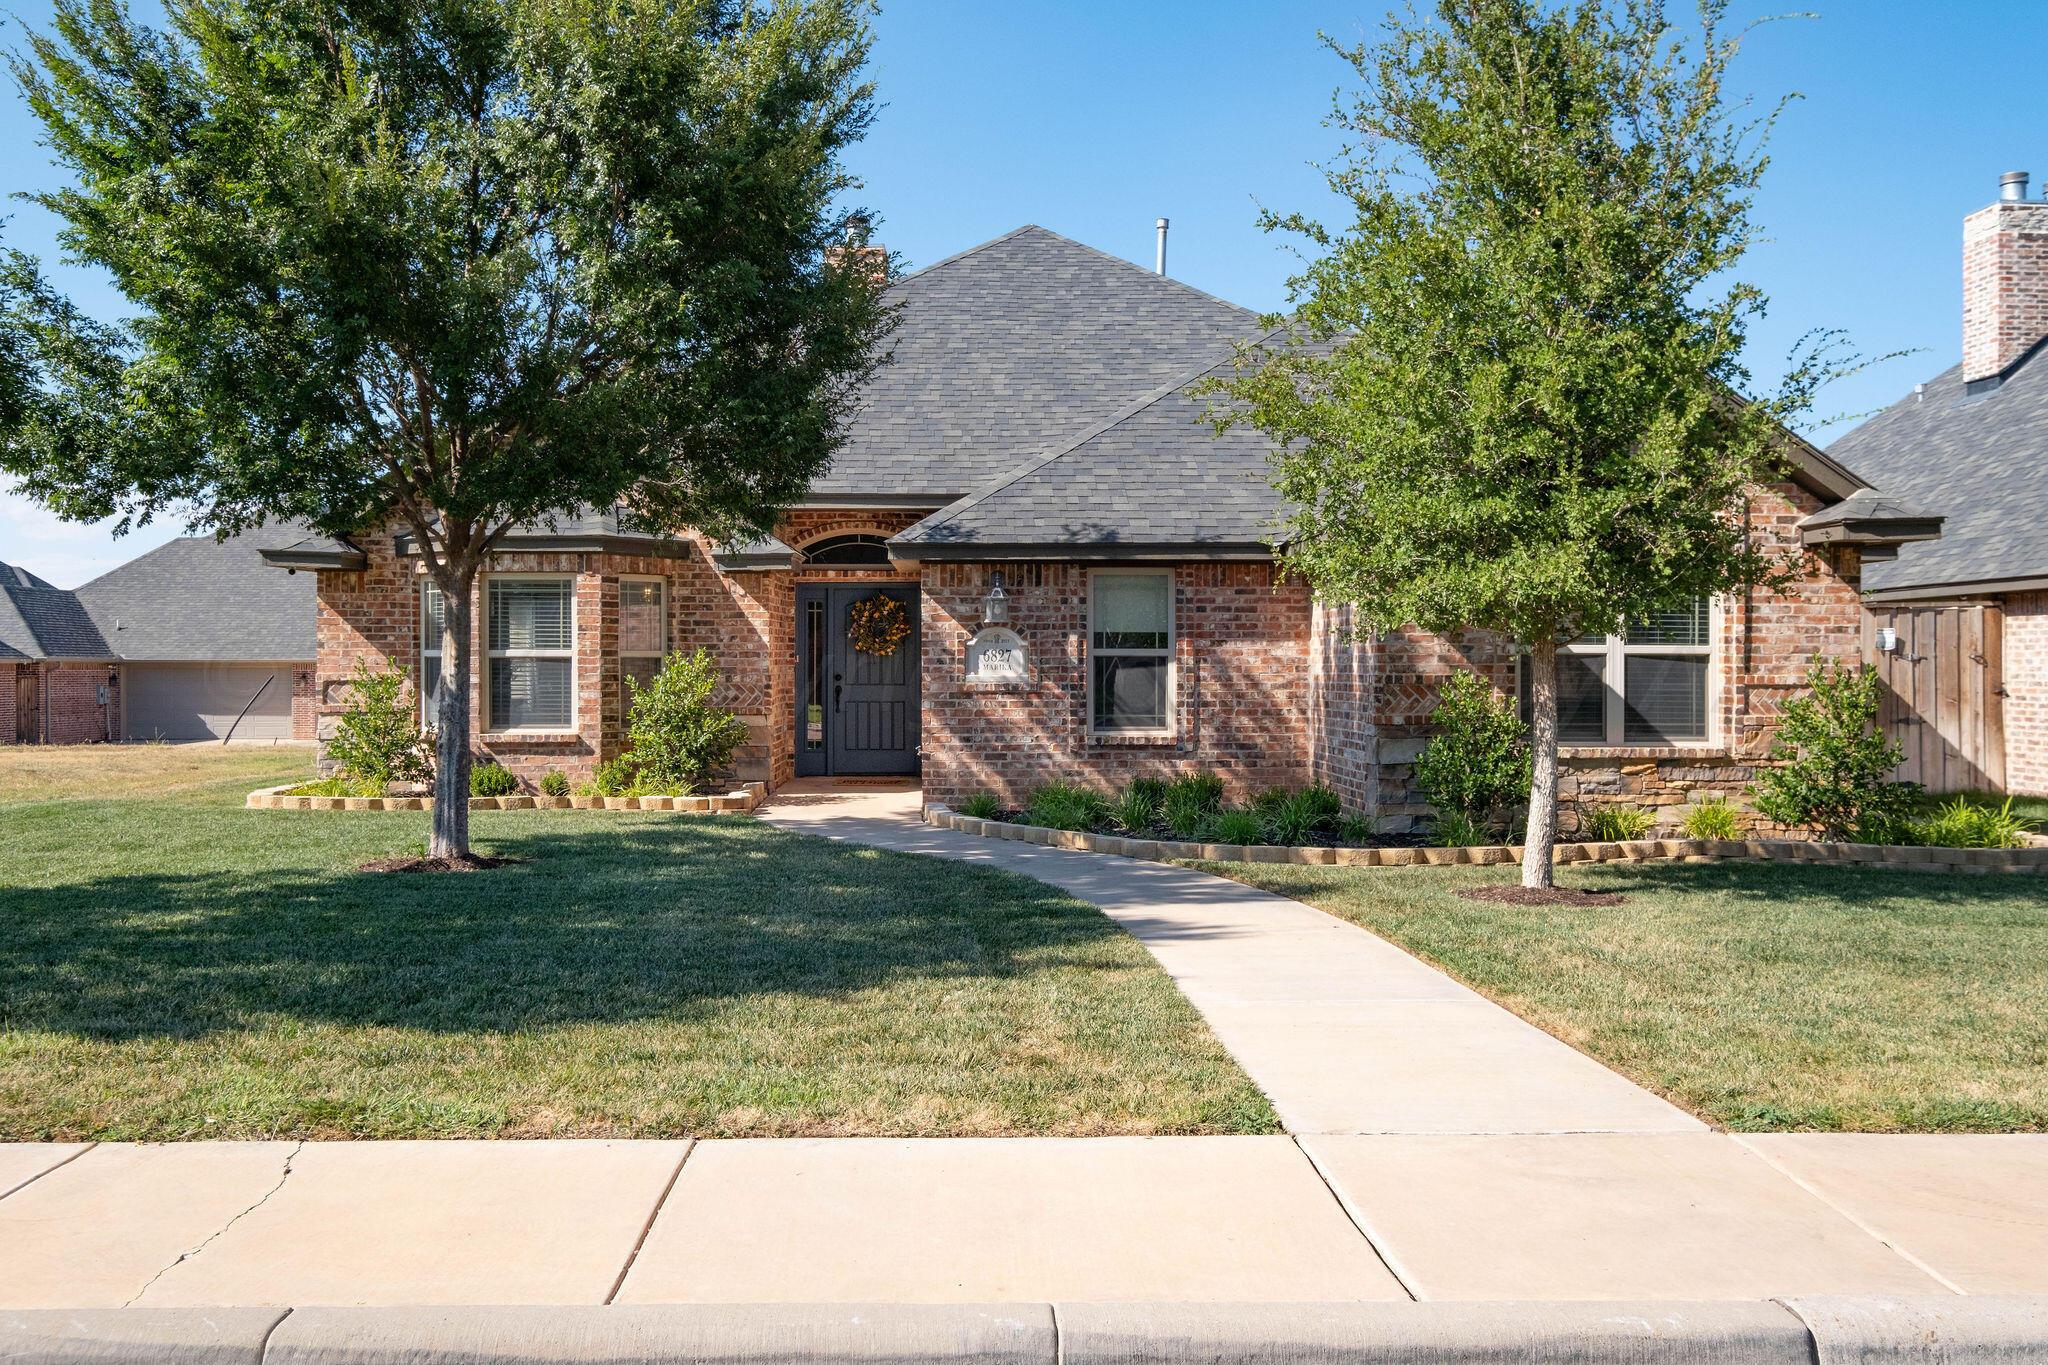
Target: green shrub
338,786
1237,827
1357,829
1715,819
1204,790
615,777
554,783
679,738
1062,805
1185,812
490,779
1453,829
1136,810
1965,824
981,806
1614,824
1153,789
1323,802
377,737
1834,767
1297,818
1477,763
1270,800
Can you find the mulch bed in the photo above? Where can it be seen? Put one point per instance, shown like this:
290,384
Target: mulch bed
472,863
1556,895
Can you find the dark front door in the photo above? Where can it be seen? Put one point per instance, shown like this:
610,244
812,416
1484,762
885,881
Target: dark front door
856,711
28,728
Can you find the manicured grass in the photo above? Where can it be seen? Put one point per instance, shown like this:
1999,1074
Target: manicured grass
182,968
1760,996
51,772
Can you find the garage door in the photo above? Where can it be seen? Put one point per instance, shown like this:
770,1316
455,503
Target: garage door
200,701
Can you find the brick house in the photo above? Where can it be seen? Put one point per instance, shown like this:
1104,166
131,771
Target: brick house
1965,619
1086,573
195,640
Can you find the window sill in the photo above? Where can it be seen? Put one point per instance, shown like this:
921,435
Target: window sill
530,737
1143,739
1701,750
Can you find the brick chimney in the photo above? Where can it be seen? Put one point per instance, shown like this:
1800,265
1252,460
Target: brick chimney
860,252
2005,281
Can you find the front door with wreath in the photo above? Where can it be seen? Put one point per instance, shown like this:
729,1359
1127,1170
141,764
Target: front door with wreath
857,667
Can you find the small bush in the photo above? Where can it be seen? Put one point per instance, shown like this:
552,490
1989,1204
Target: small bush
1270,800
1615,824
981,806
1357,829
1136,810
1153,789
1237,827
1478,761
490,779
614,777
1184,812
679,738
1451,829
1323,801
1834,767
1715,819
554,783
1062,805
377,737
1204,790
1964,824
1298,818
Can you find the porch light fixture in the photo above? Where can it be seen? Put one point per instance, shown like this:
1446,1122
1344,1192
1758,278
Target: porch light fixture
995,608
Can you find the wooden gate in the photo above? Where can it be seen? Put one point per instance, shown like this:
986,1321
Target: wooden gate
1944,692
27,713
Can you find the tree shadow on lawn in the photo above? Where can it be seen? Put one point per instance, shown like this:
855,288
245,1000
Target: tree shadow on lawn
665,920
1819,886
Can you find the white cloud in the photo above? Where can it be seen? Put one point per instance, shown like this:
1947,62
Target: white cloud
69,553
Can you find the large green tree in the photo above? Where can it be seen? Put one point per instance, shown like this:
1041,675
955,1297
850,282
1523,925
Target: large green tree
461,263
1507,397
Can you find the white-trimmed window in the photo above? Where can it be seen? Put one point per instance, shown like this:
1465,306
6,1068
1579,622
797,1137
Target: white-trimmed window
1649,686
643,633
433,615
530,645
1130,651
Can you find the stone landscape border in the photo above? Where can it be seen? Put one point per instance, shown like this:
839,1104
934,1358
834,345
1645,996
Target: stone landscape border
1810,1330
741,799
1903,857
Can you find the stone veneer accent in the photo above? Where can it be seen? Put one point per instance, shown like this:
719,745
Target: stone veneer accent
1240,703
2026,693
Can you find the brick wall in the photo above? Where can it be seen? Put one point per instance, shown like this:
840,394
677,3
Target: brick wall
1371,696
1240,694
2026,694
72,713
2005,285
10,728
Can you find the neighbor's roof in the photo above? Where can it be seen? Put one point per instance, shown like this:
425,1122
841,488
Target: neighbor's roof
1979,460
1153,479
41,621
204,600
1011,349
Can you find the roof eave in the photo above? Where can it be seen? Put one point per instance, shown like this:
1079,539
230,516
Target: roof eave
1095,552
1982,587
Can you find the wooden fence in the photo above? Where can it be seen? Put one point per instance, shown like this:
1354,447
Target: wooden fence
1944,692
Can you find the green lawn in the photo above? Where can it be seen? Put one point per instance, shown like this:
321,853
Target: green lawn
1760,996
181,968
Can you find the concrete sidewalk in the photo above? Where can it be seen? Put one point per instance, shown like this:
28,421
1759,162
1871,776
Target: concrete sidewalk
1692,1216
1345,1032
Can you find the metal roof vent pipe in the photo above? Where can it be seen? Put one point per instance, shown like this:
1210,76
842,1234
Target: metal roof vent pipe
1161,267
2012,187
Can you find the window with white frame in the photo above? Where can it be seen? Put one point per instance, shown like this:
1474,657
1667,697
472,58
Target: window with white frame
433,618
530,643
643,632
1130,651
1649,685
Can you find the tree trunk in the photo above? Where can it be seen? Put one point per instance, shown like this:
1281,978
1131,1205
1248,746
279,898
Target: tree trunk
451,720
1539,842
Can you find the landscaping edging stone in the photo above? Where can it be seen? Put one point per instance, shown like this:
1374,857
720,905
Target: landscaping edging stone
743,798
1830,1330
1966,860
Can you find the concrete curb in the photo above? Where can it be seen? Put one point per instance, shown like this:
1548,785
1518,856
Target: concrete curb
1966,860
741,799
1829,1330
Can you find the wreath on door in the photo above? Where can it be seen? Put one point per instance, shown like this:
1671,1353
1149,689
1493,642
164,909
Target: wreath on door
877,625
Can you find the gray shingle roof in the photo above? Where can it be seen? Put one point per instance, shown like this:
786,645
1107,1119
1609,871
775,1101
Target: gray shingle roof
1012,348
198,599
40,621
1154,475
1980,461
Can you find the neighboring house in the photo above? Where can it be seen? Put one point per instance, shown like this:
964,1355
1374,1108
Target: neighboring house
1968,614
1088,572
194,640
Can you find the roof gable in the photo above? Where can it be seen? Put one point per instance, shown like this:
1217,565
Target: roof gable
198,599
40,621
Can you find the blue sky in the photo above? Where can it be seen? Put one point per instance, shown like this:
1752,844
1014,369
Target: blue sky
1095,118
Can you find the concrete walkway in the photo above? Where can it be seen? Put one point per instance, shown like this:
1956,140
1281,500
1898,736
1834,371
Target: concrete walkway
1343,1031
